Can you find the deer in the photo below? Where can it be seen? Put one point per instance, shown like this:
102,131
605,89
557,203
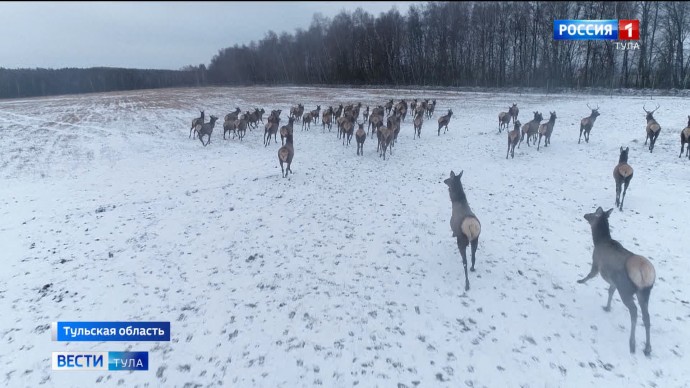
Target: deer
206,129
271,129
360,136
241,127
385,137
413,107
306,120
229,126
430,109
653,128
365,114
622,174
513,139
285,155
587,123
315,113
418,121
443,121
296,111
393,123
464,224
514,111
348,128
286,130
503,120
685,138
546,130
623,270
338,112
389,106
326,119
530,128
375,122
197,121
260,114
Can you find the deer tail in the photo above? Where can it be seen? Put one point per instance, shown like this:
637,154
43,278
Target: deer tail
471,228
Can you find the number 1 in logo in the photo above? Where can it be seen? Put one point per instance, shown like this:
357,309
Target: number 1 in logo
628,30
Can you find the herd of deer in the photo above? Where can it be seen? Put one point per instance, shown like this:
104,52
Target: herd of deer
623,270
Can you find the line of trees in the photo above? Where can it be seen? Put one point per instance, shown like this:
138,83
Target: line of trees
16,83
489,44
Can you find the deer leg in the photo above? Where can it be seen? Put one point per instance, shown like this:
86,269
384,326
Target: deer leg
592,273
682,145
643,299
630,304
618,193
627,182
580,138
508,151
474,244
646,138
462,246
539,144
612,289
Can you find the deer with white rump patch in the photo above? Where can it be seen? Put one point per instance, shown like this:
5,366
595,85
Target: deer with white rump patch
622,174
443,121
513,139
624,271
360,136
206,129
503,120
197,121
464,224
546,130
653,128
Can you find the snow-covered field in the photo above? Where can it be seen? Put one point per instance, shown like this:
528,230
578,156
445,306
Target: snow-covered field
344,274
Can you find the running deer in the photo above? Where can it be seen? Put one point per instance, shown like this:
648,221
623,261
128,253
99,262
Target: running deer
653,128
587,123
503,120
271,129
530,128
232,116
195,122
623,270
306,121
385,137
360,136
389,106
464,224
513,139
326,119
229,125
418,121
241,127
365,115
206,129
285,155
315,114
375,122
430,109
514,111
622,174
546,130
286,130
685,138
443,121
348,128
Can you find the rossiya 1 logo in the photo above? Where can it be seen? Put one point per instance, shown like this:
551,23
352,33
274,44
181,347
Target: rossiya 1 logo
618,30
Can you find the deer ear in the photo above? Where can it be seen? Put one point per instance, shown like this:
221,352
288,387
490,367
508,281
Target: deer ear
460,175
627,149
600,210
621,149
608,212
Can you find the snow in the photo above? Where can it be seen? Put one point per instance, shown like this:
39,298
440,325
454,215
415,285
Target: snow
345,273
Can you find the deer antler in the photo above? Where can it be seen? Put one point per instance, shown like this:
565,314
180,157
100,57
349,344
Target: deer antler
597,108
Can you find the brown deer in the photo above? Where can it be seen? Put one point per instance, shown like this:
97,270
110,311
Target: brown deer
389,106
653,128
685,138
530,128
503,120
514,111
326,119
271,129
229,126
430,109
315,114
464,224
360,136
232,116
375,122
206,129
418,121
365,115
348,128
241,127
546,130
286,130
197,121
622,174
587,123
285,155
623,270
513,139
306,121
385,137
443,121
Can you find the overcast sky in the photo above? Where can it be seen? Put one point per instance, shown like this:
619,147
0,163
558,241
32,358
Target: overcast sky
157,35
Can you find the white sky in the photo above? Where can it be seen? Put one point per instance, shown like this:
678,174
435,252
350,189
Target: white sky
158,35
